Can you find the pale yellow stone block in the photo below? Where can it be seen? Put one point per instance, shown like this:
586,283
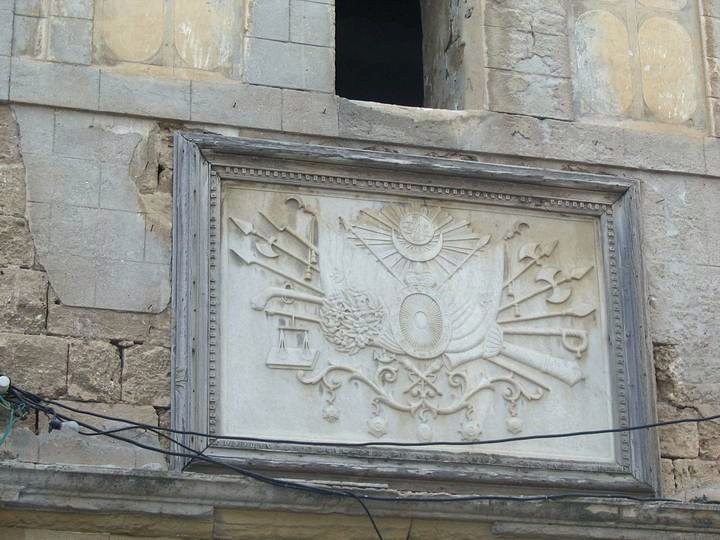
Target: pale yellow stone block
604,81
204,32
132,30
669,76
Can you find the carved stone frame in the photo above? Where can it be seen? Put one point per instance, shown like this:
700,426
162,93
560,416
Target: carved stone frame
204,162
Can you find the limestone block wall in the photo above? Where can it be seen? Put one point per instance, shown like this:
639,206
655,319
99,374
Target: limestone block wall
91,91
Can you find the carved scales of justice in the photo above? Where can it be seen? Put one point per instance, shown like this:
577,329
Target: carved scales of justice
424,339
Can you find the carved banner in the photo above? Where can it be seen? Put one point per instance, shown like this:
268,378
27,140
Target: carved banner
349,317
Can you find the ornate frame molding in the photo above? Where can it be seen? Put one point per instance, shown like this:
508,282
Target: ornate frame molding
204,162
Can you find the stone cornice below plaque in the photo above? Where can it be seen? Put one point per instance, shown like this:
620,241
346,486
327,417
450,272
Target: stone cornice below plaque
195,505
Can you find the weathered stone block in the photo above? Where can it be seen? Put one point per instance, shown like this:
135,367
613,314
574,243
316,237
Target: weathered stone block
39,221
715,113
694,476
73,230
380,122
713,75
98,137
54,84
236,105
712,152
23,300
69,448
712,31
9,152
72,448
21,445
146,375
603,80
70,40
667,476
6,32
36,126
709,440
310,112
680,440
534,95
35,363
118,190
158,240
290,65
66,181
269,19
711,8
30,36
34,8
160,329
136,413
94,371
104,324
133,286
312,23
542,54
4,77
12,190
144,96
164,421
15,242
72,277
666,151
528,15
121,235
80,9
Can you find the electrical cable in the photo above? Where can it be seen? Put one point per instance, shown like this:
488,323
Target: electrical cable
36,402
198,455
11,421
561,435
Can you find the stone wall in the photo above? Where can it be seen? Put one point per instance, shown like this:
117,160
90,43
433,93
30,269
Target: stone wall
91,91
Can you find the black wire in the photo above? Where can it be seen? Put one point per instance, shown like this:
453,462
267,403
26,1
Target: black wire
33,401
346,493
388,443
360,498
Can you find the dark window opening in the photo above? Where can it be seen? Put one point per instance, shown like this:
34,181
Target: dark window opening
378,51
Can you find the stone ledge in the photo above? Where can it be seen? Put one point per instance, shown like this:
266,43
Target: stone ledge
647,147
634,147
91,491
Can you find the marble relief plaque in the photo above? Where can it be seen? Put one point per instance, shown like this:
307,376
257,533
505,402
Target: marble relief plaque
331,303
350,316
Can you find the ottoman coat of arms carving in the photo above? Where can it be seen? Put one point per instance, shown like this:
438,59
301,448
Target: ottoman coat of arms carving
452,298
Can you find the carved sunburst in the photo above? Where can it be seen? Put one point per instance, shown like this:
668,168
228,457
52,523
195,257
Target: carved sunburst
402,237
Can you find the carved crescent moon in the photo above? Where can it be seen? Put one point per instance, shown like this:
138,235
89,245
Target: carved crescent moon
417,253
